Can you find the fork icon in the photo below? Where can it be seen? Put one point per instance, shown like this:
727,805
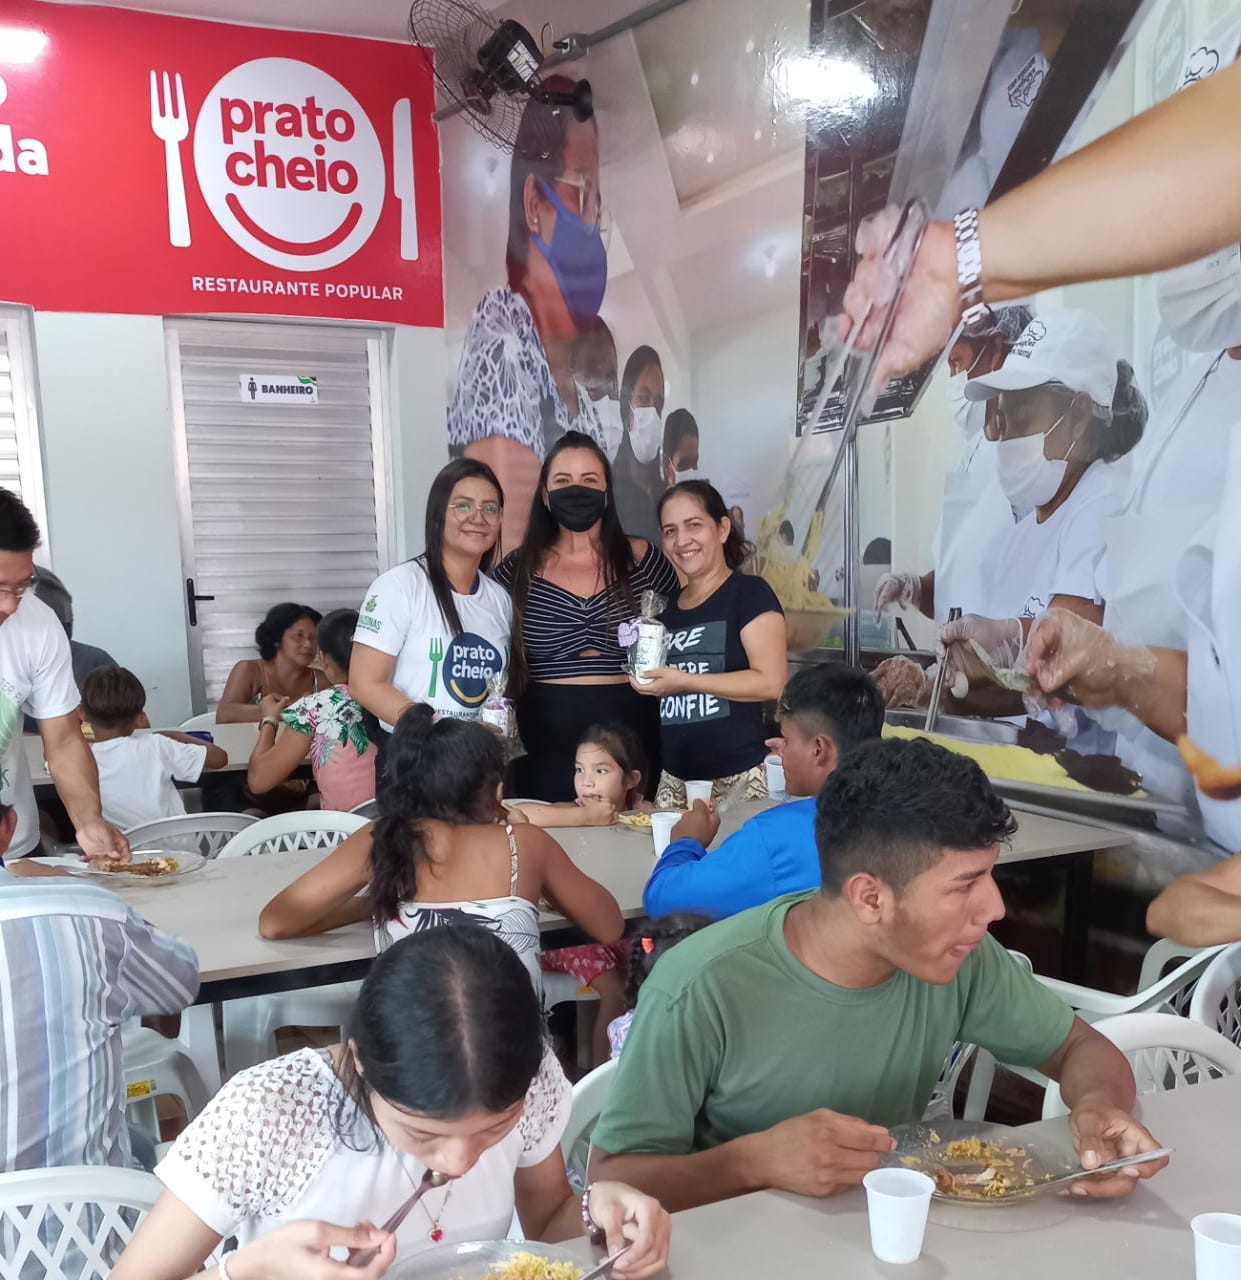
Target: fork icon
435,657
171,122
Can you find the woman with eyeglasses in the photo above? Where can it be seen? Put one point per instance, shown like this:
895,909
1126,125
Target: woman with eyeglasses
435,629
516,393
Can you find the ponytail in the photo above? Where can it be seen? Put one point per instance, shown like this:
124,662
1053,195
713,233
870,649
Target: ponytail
1129,413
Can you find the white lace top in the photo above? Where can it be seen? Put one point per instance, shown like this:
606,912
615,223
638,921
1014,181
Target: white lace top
265,1151
504,386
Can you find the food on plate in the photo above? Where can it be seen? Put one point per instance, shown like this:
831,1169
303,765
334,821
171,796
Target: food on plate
157,865
1218,781
639,821
529,1266
992,1172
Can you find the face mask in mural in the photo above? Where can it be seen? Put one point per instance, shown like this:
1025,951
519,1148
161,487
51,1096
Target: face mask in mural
647,433
1028,478
577,257
1201,301
611,428
690,473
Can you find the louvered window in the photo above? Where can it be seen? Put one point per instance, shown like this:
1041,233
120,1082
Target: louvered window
278,501
21,465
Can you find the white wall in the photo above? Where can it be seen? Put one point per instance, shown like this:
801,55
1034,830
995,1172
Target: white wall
112,508
113,535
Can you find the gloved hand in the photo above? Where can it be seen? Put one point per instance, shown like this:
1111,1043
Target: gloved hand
999,638
903,683
903,589
1072,660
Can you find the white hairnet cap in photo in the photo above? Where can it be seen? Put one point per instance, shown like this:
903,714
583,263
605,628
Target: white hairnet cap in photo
1069,347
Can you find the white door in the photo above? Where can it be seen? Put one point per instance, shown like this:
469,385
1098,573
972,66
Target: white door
282,494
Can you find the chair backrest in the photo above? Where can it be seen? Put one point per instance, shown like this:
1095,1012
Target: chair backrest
590,1096
71,1223
1165,1052
289,832
1172,990
1159,956
204,833
200,724
368,809
1217,997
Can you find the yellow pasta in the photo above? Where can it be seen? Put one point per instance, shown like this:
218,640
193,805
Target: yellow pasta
529,1266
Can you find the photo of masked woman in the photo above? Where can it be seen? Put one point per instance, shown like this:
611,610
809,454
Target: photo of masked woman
598,395
639,466
516,394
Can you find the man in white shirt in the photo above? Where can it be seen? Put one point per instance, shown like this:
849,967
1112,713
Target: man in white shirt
36,676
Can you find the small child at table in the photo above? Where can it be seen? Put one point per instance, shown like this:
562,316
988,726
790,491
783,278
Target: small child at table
609,775
657,938
137,773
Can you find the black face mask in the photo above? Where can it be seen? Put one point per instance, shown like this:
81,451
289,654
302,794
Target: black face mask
577,507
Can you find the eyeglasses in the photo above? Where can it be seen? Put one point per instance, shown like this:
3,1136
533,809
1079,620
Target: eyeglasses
22,587
464,509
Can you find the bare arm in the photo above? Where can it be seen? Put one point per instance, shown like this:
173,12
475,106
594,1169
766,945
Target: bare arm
765,640
594,814
687,1181
217,757
585,901
275,757
72,766
325,897
370,682
171,1243
517,468
1201,909
237,705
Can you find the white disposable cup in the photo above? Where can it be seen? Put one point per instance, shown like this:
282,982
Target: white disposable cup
1217,1246
697,791
661,828
897,1202
775,777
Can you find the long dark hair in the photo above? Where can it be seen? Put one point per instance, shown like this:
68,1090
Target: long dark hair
281,618
642,358
541,534
448,771
657,938
625,747
336,636
538,152
447,1022
736,549
432,559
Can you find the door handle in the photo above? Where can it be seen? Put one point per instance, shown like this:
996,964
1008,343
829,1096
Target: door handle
191,601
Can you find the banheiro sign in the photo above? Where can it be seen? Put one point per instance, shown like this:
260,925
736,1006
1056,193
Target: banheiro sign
246,170
277,388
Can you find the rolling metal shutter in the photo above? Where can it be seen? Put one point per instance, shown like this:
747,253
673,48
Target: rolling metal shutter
21,466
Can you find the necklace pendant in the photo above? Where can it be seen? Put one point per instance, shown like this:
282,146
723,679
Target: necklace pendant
437,1234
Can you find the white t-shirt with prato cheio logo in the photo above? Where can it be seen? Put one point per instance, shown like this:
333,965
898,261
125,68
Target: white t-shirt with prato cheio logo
401,617
36,677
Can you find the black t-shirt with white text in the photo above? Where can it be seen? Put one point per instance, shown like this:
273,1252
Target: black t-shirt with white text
704,736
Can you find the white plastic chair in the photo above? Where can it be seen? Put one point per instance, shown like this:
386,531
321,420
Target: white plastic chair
368,809
187,1067
250,1024
204,723
293,833
1165,1052
1216,1001
202,833
590,1096
71,1223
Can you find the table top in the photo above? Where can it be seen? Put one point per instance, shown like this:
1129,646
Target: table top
237,739
1144,1237
216,910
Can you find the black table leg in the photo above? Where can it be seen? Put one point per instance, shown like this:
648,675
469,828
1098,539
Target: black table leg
1078,887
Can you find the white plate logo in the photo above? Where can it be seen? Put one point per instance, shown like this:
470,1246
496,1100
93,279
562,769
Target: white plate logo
289,164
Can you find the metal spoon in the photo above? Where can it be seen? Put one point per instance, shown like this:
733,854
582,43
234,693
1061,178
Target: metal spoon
1143,1157
363,1257
605,1265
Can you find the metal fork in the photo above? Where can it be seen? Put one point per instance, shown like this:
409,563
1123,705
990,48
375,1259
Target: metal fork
171,123
436,656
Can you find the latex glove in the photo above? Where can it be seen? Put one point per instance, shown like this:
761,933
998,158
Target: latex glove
903,682
903,589
928,312
1072,660
999,638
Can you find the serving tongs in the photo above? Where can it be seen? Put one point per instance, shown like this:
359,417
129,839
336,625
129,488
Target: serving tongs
937,689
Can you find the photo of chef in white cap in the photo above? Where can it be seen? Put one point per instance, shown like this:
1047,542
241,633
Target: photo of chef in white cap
1064,407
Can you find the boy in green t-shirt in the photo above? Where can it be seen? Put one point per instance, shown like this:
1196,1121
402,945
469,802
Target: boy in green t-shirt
776,1048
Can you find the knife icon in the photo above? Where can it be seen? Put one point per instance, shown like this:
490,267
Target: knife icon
403,177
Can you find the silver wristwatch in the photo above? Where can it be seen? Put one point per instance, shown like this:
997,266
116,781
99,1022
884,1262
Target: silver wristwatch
969,269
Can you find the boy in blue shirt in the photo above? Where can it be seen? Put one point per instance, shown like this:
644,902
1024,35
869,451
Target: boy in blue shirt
823,712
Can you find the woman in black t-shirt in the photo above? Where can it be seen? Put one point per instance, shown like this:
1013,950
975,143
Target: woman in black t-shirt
729,651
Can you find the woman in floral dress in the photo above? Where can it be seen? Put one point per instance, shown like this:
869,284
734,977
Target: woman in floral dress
327,726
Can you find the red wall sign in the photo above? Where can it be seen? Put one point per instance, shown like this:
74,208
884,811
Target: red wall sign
155,165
